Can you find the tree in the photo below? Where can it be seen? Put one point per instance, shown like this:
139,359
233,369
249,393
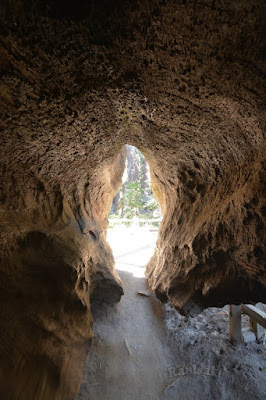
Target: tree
135,197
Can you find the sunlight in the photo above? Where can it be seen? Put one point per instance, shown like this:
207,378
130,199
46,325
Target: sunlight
135,202
132,248
134,218
137,272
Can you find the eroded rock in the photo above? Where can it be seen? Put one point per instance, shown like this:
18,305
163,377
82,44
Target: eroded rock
181,81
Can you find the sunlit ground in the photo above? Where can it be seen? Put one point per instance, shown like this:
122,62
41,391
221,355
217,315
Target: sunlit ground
132,247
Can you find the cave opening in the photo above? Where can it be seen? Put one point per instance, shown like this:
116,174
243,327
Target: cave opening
135,216
182,81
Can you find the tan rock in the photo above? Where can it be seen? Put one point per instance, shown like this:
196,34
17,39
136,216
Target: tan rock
183,82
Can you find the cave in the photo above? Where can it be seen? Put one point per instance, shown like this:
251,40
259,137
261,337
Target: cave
183,81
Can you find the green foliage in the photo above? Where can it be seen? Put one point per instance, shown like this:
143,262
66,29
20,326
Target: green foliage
135,198
136,202
152,208
132,200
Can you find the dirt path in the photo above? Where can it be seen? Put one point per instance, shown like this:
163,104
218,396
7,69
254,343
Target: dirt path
129,359
141,346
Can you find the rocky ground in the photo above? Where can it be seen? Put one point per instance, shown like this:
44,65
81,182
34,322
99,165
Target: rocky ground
144,350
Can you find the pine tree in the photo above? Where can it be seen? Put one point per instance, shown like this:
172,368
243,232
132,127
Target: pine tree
135,197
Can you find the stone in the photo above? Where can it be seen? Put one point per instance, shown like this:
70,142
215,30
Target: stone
181,81
248,335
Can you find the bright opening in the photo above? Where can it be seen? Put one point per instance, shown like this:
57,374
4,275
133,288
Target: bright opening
134,217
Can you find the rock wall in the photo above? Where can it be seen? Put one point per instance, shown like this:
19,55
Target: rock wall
180,80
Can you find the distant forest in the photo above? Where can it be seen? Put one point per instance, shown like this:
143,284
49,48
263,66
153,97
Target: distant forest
135,197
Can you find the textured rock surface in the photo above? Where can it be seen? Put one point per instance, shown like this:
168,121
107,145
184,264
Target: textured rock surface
182,81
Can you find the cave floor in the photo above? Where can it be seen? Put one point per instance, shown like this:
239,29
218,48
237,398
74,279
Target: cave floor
141,347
